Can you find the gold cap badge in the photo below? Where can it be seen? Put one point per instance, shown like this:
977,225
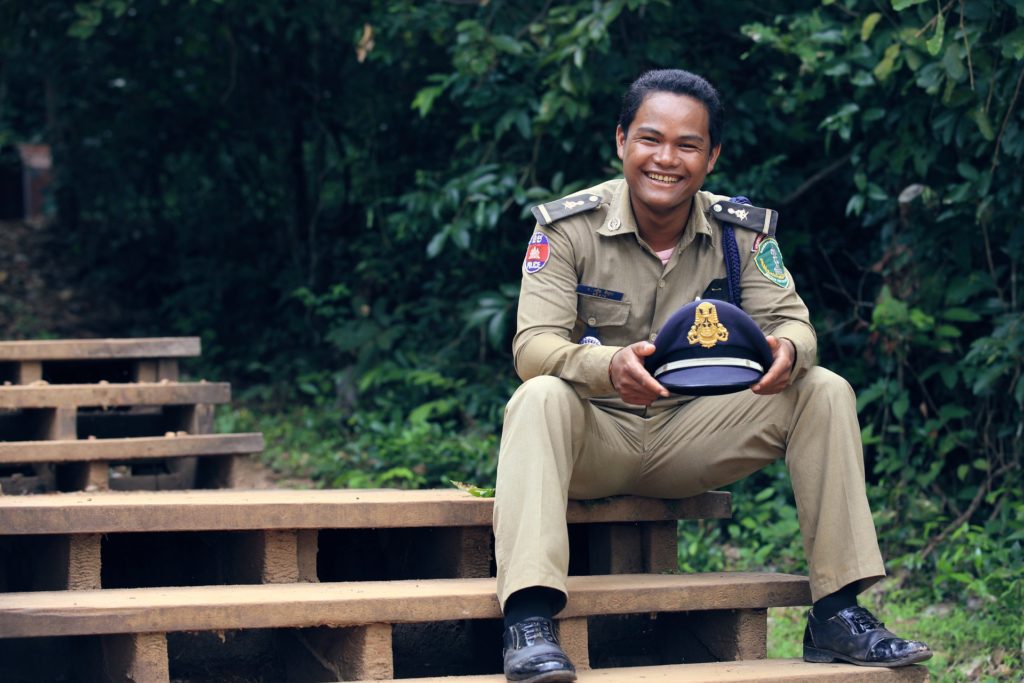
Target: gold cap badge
706,329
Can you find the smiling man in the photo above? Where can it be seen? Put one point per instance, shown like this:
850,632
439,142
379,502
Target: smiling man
606,270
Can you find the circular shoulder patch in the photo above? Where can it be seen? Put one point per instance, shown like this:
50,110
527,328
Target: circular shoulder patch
537,252
769,262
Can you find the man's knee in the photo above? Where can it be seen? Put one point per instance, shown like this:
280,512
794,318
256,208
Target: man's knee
822,384
543,390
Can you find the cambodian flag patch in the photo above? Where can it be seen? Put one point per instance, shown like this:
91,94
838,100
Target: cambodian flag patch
537,252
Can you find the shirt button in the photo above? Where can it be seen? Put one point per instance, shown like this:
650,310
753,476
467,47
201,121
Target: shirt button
653,337
614,224
661,284
591,321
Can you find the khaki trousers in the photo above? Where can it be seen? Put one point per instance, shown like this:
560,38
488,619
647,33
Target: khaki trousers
556,445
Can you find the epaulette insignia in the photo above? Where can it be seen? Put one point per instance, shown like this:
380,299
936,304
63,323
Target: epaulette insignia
746,216
546,214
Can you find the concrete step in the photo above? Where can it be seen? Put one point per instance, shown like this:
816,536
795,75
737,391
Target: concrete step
138,539
748,671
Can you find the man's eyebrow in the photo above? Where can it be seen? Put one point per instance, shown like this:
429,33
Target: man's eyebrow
655,131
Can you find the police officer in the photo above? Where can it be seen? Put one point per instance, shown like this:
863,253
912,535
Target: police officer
604,271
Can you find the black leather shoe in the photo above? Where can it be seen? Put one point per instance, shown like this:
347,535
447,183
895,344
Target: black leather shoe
854,635
533,655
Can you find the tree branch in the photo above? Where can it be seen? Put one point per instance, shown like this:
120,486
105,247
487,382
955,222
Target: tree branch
815,179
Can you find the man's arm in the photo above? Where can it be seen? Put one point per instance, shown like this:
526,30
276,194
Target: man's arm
546,319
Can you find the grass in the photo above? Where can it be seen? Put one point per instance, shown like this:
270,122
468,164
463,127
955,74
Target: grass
971,642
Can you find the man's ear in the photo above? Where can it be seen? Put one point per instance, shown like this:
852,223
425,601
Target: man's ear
714,156
620,140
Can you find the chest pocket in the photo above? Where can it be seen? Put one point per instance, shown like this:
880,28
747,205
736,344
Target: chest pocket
596,312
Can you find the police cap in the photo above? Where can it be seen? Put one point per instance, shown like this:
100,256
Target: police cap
709,347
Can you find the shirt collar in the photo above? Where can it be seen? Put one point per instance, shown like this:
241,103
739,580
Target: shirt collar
620,219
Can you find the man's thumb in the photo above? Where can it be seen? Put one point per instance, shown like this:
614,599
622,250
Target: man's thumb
643,348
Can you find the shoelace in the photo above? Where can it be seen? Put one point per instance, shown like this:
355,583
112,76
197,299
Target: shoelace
863,620
534,629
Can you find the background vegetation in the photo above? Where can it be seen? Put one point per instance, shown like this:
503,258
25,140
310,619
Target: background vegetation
335,197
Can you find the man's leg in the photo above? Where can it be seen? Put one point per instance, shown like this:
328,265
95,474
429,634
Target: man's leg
552,441
813,424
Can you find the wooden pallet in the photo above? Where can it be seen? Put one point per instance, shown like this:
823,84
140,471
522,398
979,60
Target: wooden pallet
92,360
86,541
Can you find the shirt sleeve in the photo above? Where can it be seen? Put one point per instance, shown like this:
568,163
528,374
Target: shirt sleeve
546,319
774,304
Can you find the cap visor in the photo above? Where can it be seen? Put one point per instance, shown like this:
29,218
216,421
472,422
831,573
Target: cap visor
708,381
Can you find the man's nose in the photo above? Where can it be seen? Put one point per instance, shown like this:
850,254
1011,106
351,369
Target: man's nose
665,155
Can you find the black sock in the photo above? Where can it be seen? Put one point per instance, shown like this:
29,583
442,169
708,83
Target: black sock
536,601
832,604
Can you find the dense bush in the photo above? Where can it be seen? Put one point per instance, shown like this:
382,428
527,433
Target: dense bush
334,195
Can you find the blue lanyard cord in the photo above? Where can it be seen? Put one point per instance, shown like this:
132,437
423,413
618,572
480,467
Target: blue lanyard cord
732,259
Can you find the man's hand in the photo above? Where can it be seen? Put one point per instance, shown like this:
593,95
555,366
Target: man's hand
777,377
631,379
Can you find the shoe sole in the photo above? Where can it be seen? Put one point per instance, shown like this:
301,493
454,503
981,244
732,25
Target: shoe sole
819,656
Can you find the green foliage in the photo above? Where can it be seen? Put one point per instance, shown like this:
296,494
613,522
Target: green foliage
335,196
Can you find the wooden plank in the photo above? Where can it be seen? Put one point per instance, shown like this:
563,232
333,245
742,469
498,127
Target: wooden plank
139,448
757,671
95,349
28,372
330,509
112,395
206,608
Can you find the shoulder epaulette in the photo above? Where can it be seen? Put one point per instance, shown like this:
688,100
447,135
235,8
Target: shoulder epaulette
546,214
746,216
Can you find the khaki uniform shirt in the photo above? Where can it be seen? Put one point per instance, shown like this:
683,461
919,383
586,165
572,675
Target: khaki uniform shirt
602,250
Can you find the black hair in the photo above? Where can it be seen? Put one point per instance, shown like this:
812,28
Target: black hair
678,82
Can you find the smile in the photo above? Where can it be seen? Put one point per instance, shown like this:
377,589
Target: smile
662,178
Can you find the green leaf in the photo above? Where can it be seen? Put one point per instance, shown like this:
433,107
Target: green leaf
900,5
980,117
964,315
1013,44
473,489
934,44
888,62
868,27
953,64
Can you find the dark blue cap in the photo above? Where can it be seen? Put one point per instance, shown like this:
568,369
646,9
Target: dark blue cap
709,347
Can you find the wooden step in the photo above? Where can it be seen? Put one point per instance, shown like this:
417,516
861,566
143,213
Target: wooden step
298,605
141,448
113,395
325,509
77,361
99,349
379,630
136,539
747,671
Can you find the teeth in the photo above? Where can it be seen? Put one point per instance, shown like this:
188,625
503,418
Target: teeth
663,178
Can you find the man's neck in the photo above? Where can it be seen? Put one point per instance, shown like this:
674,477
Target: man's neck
662,231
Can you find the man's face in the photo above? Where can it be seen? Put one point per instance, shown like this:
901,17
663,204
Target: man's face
667,153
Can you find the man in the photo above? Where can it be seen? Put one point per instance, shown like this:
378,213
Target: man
604,270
